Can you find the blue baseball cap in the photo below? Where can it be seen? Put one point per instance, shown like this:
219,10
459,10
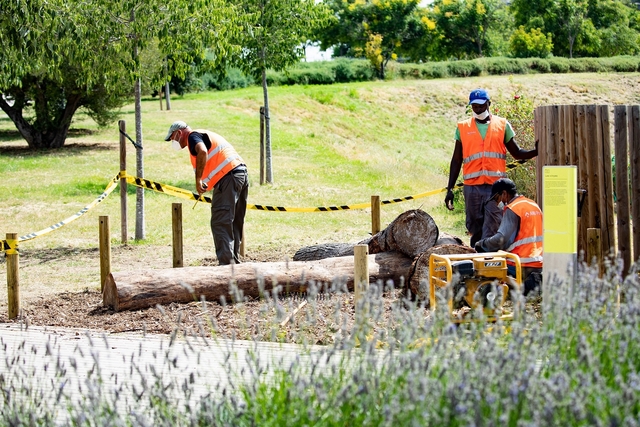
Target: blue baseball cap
478,96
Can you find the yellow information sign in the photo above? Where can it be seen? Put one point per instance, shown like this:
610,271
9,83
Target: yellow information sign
560,204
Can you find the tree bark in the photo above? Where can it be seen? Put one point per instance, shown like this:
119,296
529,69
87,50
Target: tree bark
143,289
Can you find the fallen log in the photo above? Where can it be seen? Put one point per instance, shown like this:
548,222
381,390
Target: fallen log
143,289
411,233
418,278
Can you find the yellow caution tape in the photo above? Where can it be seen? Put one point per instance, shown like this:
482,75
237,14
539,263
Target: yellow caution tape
11,245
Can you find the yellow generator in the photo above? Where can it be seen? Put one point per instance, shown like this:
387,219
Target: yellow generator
477,280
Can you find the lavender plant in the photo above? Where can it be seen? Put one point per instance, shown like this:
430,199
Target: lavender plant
398,364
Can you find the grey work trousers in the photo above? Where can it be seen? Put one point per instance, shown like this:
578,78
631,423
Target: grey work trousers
483,219
228,207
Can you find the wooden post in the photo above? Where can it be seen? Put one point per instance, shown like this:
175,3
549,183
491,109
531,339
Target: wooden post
176,222
13,275
634,161
123,182
622,186
375,214
361,273
242,249
105,250
605,182
261,145
594,249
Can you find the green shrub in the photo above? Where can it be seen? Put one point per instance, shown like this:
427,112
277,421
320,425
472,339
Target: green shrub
353,70
233,79
585,65
540,65
623,64
559,65
464,68
529,44
501,66
435,70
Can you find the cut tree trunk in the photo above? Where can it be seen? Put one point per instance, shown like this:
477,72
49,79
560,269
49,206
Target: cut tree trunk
411,233
143,289
418,279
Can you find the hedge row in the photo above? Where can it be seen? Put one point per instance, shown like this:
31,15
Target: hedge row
349,70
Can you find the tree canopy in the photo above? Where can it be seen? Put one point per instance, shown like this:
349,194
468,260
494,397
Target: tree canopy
57,56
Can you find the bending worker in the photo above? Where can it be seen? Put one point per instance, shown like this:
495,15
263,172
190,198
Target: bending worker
217,166
480,150
520,232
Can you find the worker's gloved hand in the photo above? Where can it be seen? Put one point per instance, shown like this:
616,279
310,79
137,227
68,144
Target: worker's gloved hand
448,200
478,247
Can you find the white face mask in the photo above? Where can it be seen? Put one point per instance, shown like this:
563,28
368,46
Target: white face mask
176,145
482,115
501,206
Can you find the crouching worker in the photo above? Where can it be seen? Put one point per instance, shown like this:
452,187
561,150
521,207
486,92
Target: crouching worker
520,232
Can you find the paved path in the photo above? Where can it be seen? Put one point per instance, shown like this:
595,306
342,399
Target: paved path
70,360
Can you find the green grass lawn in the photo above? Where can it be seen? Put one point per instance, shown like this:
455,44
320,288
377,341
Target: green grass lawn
332,145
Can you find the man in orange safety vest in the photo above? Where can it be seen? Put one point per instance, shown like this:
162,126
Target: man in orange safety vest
481,144
520,232
220,168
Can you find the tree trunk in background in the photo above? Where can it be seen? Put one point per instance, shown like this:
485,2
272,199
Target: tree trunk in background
143,289
139,160
267,127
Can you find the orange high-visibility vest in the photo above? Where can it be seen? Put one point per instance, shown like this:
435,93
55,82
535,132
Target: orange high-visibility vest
221,158
528,243
484,160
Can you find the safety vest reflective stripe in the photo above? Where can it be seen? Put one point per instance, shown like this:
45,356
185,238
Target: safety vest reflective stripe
221,158
484,154
219,168
484,173
523,241
484,160
530,260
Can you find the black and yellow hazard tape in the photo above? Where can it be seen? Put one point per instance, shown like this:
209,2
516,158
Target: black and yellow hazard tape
9,246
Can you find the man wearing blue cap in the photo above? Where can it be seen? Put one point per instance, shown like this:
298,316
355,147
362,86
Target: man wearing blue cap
480,151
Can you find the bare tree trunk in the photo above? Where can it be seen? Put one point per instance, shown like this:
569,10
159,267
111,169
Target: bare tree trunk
143,289
139,160
267,127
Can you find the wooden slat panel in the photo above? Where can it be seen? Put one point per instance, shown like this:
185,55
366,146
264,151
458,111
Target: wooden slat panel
622,186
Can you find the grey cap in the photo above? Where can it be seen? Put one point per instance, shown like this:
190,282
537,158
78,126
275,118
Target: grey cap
174,127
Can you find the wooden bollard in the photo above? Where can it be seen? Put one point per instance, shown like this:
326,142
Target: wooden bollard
105,250
361,273
375,214
176,221
594,249
13,275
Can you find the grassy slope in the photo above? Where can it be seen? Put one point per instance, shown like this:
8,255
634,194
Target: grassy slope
331,145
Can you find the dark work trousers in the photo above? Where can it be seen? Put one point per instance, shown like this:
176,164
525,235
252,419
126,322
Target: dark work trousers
481,222
228,207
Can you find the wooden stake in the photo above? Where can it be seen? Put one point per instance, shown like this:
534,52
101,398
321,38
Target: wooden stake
292,315
13,276
176,217
123,182
361,273
375,214
242,244
105,250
